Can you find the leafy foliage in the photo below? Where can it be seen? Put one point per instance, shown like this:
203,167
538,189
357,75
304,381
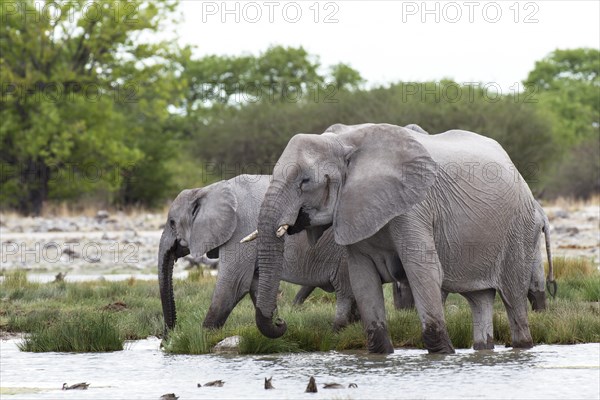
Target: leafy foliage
95,107
84,100
251,139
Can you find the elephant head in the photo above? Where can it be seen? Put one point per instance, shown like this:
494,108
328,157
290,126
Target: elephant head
354,178
199,221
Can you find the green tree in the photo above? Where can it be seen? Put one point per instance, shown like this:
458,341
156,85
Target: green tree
251,139
568,86
345,77
84,99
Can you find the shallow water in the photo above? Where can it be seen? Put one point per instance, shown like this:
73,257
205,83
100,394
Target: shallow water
142,371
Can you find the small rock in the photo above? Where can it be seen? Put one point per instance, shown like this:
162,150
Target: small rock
228,345
70,252
572,230
106,237
561,214
101,215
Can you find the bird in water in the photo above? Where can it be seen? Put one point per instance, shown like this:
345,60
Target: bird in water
77,386
169,396
268,384
312,385
339,386
333,386
217,383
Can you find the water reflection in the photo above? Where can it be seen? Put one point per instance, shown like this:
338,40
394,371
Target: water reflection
145,372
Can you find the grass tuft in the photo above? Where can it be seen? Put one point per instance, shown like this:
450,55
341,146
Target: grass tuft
16,279
76,333
98,316
188,337
569,267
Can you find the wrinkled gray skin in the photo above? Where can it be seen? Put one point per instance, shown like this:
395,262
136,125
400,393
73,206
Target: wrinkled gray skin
536,294
450,210
213,220
403,298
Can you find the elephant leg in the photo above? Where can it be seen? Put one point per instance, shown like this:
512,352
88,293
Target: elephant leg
344,312
303,294
367,287
403,297
424,272
516,309
232,285
482,308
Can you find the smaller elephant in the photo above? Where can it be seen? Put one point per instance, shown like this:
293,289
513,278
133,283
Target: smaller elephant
212,220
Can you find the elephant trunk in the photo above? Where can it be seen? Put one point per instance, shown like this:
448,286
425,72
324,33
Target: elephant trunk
270,261
166,260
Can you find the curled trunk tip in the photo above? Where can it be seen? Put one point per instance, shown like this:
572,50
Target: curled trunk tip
269,327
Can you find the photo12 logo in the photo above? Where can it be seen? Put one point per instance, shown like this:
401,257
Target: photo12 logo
270,11
54,11
470,11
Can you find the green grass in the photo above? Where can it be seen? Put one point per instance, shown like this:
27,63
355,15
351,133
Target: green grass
99,316
75,333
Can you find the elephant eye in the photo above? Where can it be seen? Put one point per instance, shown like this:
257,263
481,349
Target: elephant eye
304,181
172,224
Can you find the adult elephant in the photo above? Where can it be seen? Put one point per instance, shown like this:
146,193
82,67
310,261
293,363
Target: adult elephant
212,220
403,298
450,210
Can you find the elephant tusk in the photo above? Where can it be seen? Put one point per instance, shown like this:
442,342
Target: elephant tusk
282,230
250,237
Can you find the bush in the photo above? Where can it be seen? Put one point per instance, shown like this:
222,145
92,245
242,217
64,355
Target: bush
251,139
578,174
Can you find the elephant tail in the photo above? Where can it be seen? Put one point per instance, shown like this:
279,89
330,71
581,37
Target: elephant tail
550,281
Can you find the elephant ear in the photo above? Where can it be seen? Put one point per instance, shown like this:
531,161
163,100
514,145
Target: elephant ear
213,216
387,174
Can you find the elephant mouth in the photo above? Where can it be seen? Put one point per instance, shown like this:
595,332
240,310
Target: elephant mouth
302,222
179,250
214,253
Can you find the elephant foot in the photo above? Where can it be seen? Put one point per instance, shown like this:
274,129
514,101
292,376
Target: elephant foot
378,340
437,340
487,345
338,326
523,344
211,322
